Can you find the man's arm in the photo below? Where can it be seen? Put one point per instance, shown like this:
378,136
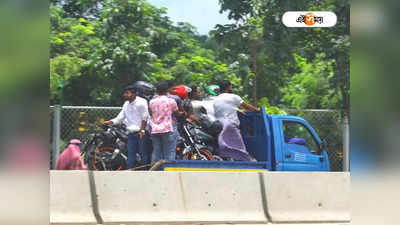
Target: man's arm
177,109
142,131
250,107
118,119
192,117
181,110
145,116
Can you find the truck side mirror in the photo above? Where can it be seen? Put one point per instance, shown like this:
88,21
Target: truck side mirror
323,145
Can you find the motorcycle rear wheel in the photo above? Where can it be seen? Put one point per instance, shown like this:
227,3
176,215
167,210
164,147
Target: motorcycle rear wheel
202,155
101,160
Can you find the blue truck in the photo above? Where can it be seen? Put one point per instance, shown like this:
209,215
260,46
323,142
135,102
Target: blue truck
277,142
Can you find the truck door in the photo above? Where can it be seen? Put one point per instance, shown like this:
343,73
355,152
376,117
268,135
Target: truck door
300,147
256,135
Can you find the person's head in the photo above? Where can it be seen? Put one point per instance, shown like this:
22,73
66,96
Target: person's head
162,87
212,90
170,84
130,93
195,93
225,86
144,89
75,142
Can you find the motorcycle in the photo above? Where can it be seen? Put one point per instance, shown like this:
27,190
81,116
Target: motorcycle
107,149
198,142
190,147
212,135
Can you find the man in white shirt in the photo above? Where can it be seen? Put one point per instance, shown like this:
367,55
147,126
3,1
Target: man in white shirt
230,140
226,104
134,115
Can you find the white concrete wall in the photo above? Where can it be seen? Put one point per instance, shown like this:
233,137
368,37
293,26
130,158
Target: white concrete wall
70,198
127,197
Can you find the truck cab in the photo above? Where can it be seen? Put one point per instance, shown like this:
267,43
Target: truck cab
285,143
277,142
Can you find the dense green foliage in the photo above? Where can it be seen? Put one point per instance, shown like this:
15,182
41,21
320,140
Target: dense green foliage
98,47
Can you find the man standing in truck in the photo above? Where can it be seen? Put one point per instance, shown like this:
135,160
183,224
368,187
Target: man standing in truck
162,129
179,103
226,106
194,95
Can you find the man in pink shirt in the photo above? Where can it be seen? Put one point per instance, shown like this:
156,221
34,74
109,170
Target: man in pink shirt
70,158
161,108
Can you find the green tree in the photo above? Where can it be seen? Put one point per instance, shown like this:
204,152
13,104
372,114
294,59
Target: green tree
309,89
258,26
98,47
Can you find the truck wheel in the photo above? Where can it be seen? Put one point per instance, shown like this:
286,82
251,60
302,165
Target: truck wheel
204,155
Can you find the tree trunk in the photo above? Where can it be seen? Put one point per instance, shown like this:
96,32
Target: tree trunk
254,56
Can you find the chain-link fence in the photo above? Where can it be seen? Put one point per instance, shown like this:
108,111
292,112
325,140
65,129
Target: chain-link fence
79,121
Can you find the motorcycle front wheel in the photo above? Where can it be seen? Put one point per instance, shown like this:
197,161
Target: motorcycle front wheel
200,155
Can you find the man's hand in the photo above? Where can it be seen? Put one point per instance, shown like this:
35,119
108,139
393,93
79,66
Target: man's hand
142,134
250,107
242,111
108,122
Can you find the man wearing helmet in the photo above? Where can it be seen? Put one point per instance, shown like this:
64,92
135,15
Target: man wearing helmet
212,91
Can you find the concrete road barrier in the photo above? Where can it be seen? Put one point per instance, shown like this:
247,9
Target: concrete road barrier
168,197
308,197
142,197
70,198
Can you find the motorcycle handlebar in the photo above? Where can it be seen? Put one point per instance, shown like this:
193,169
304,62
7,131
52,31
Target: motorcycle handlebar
115,126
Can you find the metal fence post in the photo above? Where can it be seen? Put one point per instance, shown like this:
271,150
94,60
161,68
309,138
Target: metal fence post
56,134
346,143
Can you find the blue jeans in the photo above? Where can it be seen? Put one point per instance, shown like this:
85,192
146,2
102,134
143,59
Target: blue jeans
163,147
135,144
176,134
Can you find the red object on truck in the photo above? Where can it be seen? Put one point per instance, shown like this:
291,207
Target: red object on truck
181,90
